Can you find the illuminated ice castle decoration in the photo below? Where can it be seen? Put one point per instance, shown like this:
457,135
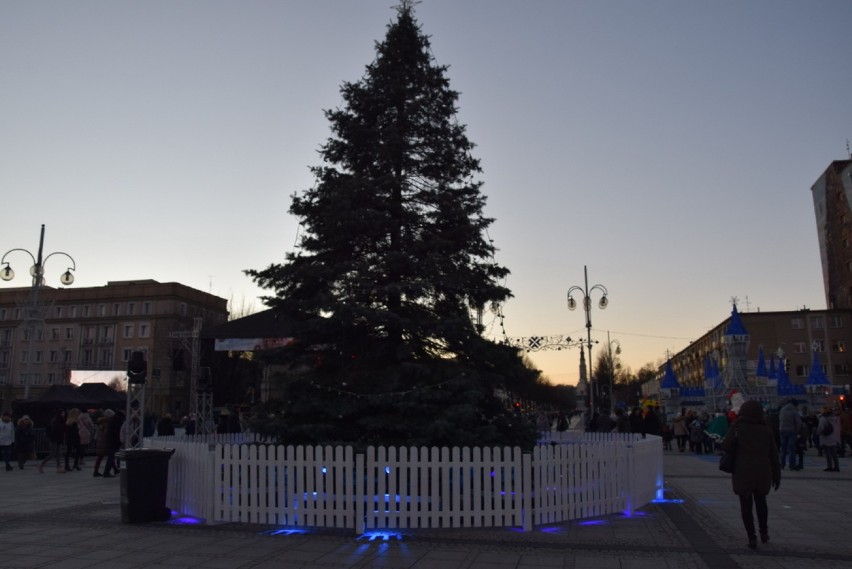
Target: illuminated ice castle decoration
735,346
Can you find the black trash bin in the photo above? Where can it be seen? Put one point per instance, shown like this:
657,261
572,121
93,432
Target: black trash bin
144,483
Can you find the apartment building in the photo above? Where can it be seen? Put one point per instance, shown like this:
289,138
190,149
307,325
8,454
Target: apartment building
832,195
793,336
44,337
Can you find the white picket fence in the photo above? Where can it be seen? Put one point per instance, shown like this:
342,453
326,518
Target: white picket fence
579,476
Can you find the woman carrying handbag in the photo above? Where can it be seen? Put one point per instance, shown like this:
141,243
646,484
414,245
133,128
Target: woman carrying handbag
756,469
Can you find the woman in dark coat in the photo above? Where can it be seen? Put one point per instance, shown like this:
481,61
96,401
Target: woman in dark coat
24,440
757,467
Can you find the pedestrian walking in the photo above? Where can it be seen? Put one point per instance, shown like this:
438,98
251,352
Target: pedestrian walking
24,441
7,439
829,438
103,441
680,428
756,467
86,428
789,425
55,438
72,441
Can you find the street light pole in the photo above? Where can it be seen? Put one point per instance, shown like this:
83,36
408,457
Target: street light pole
587,307
34,315
612,364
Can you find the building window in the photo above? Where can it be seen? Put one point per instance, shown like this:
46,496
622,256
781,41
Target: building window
87,357
72,310
54,334
146,308
4,359
125,354
17,314
838,346
58,311
4,379
102,310
25,356
816,322
68,356
39,356
183,309
69,333
128,331
27,334
144,330
40,334
116,308
106,358
51,378
800,347
106,334
841,369
801,371
836,322
53,356
797,323
130,307
7,336
87,310
2,314
818,346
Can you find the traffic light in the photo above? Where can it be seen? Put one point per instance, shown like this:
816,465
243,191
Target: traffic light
137,368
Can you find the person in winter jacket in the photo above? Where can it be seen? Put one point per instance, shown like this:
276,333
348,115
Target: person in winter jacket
56,438
72,441
828,429
7,439
24,440
789,425
756,469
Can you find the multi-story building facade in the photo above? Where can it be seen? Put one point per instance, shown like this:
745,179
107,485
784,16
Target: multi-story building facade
832,196
792,336
96,329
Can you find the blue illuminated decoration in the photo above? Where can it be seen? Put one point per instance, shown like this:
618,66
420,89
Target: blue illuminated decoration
285,531
593,523
382,535
667,501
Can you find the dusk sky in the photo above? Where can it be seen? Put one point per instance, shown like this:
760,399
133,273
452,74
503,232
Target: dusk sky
668,145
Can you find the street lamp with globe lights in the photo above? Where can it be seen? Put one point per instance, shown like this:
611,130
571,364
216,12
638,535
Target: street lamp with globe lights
34,315
37,269
587,307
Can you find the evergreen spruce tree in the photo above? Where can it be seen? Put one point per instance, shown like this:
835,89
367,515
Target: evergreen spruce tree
392,255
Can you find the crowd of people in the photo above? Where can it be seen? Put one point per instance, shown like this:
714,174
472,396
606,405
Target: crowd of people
71,433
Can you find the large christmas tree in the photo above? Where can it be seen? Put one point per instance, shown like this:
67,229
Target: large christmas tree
393,254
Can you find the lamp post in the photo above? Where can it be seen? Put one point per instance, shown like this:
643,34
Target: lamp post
34,316
587,307
610,344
